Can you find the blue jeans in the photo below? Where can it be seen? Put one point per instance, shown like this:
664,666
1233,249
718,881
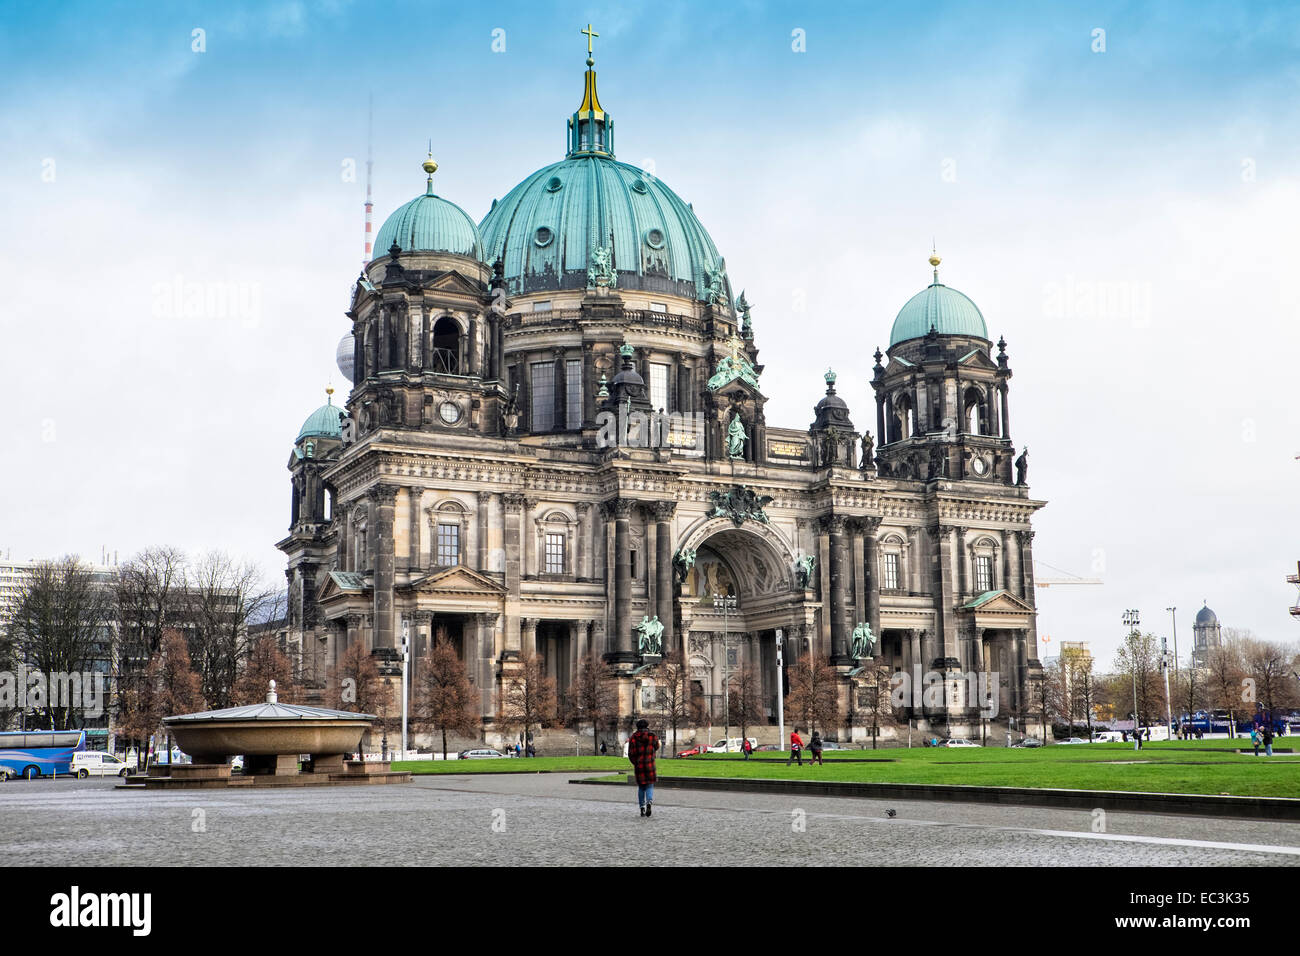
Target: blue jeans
645,793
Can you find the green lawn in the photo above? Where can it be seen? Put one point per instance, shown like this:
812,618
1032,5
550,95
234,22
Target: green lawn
514,765
1165,767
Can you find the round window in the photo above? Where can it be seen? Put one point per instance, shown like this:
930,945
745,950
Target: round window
654,238
543,236
639,186
554,184
449,412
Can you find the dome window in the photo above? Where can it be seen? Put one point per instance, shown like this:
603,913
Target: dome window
654,238
554,184
543,237
639,186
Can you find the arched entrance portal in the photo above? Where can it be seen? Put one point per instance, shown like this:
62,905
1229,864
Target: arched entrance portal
738,593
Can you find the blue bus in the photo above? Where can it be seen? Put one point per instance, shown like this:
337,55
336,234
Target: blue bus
37,753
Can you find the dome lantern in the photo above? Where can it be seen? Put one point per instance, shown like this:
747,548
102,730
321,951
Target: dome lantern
591,129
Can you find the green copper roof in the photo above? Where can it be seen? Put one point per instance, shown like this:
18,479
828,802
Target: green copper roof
982,599
430,223
322,423
946,310
545,229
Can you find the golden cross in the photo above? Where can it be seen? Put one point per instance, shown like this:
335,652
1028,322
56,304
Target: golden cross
589,34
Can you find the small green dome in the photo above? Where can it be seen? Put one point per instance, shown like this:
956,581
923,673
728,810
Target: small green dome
946,310
430,223
322,423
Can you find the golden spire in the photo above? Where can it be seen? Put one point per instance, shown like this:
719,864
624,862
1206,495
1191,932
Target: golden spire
429,167
329,394
934,262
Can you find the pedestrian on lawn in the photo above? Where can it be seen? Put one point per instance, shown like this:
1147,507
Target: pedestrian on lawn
796,748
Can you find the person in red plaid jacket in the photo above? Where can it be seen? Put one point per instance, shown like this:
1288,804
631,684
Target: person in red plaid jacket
641,748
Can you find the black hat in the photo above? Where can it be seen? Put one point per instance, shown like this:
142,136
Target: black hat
642,724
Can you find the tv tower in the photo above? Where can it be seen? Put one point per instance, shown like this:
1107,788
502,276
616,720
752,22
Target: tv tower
370,163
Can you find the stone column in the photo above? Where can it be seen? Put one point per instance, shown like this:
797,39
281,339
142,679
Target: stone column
482,551
943,591
963,568
528,539
1027,571
859,564
664,569
871,531
513,507
384,498
622,643
528,634
413,496
880,422
835,526
1011,546
1006,417
561,390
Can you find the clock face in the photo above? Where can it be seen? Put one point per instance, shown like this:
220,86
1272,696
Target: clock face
979,466
449,412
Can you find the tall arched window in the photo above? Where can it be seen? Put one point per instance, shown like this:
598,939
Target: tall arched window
974,411
446,346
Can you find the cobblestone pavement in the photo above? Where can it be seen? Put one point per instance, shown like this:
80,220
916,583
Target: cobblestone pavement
542,819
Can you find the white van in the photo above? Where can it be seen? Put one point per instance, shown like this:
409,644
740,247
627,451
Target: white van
92,763
732,745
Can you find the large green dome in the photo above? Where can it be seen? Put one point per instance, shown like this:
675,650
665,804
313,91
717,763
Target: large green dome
946,310
430,223
545,229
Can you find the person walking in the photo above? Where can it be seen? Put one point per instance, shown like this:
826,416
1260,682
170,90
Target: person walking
796,748
641,747
747,748
602,748
1254,739
1268,740
815,747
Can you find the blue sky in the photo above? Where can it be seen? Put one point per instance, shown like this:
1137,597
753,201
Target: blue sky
1159,176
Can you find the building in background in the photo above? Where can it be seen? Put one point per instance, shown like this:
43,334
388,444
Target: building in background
1206,635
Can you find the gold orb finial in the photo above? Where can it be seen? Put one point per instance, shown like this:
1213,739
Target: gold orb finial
935,260
429,165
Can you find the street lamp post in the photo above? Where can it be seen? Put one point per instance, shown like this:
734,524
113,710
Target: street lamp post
780,690
1164,666
1131,622
406,626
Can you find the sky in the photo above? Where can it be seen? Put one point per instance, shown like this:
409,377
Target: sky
1114,184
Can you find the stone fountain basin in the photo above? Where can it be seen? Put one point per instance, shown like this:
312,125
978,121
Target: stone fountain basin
214,741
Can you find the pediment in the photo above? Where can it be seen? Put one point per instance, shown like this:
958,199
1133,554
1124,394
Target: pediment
453,281
999,602
457,580
978,358
340,584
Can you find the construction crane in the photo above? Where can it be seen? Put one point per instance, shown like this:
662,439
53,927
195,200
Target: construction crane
1070,579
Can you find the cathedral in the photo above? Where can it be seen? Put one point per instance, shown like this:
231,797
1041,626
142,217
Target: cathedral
555,444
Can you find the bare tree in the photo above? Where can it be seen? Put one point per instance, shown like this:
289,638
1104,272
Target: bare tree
170,686
1270,665
148,592
62,624
266,663
875,705
745,698
593,698
446,700
814,694
1138,661
676,706
529,697
222,597
354,684
1224,669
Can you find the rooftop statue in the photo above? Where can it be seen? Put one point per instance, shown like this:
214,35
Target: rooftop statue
863,642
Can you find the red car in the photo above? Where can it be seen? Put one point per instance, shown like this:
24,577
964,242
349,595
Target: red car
693,752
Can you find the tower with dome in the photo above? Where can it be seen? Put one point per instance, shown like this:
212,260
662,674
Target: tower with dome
556,430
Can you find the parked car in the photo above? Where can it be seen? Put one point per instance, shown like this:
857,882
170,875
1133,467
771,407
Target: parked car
690,752
1028,742
1107,737
1073,740
958,742
7,773
90,763
768,747
482,754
